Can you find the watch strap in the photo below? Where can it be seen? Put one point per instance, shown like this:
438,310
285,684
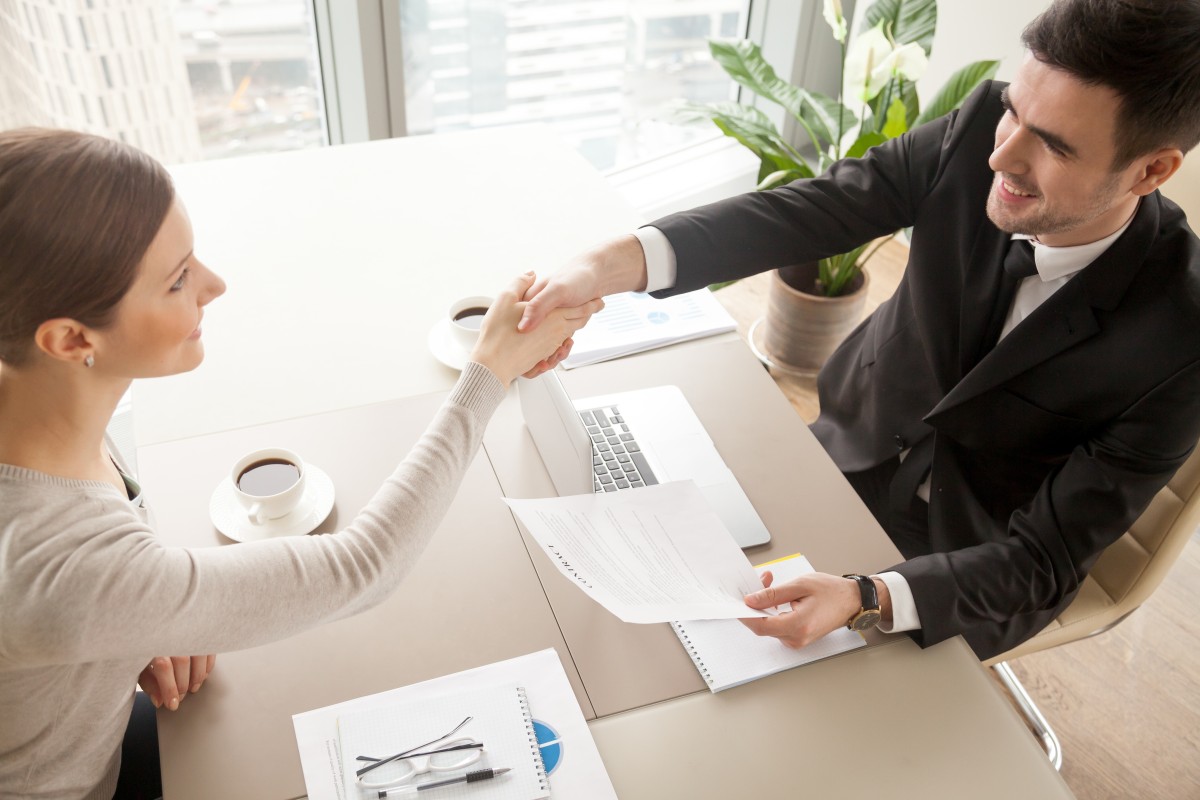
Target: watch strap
867,591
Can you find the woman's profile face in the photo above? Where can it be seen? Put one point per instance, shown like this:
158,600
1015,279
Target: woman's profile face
157,327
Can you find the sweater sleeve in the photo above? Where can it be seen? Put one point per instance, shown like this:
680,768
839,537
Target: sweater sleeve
103,586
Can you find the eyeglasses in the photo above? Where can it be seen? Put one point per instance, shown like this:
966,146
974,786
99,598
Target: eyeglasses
447,754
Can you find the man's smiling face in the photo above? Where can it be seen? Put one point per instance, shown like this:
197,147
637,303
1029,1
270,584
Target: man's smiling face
1053,159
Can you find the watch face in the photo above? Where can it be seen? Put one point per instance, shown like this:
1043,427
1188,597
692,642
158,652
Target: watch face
864,620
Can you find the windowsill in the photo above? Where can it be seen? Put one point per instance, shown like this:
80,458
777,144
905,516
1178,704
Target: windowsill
694,175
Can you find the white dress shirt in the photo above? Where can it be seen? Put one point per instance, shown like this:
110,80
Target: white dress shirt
1055,266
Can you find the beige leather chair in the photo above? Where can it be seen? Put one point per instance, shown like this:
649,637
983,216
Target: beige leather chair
1124,576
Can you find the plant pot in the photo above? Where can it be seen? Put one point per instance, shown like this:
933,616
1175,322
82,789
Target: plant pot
802,329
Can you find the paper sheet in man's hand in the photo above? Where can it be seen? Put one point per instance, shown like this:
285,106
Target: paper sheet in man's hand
652,554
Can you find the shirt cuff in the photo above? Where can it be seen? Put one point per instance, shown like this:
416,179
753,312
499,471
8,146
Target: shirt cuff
660,258
904,608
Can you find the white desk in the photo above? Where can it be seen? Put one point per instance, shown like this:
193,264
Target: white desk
339,262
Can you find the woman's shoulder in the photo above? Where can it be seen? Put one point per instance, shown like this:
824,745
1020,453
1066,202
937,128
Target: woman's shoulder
35,505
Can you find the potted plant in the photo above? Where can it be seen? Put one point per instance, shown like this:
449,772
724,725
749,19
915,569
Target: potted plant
812,307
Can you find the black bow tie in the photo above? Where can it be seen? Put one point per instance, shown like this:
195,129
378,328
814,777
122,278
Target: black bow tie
1019,262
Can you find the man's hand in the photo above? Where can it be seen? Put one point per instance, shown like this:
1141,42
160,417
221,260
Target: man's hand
508,352
820,604
169,680
618,265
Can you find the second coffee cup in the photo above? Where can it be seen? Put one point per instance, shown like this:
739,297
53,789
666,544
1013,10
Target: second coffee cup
466,316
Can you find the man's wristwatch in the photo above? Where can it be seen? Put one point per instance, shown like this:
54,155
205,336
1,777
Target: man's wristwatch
868,616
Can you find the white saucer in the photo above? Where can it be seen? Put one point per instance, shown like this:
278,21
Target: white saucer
445,347
229,516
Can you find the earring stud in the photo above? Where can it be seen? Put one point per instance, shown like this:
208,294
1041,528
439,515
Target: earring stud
90,361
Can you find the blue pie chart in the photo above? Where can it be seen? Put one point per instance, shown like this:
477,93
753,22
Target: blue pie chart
549,744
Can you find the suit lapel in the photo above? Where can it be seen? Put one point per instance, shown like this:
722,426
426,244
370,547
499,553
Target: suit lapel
953,317
1066,318
1062,321
980,289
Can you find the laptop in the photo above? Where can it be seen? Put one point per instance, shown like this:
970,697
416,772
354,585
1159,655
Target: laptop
620,442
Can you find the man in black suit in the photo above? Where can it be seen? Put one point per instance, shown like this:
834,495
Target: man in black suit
1035,379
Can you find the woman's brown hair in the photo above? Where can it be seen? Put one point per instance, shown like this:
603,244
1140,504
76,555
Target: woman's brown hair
77,214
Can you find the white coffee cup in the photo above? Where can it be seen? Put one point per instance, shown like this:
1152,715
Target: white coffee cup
269,483
466,315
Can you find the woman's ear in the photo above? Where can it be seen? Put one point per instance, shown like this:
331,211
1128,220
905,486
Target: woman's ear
65,339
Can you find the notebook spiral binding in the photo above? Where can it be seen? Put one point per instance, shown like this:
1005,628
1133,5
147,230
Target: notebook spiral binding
534,749
691,650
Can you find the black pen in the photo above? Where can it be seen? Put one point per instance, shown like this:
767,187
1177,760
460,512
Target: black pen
470,777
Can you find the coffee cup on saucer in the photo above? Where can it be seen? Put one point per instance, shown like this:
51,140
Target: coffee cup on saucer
466,318
454,336
268,483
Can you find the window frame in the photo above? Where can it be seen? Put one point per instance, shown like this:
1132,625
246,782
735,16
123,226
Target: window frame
362,68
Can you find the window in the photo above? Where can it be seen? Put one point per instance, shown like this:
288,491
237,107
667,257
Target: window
183,80
600,72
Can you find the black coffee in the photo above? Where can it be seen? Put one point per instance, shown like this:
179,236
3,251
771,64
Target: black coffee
267,477
470,317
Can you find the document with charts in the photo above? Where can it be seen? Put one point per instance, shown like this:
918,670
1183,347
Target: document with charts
728,654
497,717
634,321
565,743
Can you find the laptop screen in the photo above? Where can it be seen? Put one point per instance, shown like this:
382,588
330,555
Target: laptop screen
560,436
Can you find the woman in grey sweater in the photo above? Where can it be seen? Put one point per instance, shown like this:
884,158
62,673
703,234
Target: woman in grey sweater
100,284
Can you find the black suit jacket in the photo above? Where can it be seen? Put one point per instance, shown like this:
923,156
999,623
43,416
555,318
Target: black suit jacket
1048,448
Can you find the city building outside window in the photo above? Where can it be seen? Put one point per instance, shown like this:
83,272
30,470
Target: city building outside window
601,73
183,80
193,79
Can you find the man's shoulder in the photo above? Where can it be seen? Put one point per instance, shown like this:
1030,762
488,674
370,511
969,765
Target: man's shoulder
1176,250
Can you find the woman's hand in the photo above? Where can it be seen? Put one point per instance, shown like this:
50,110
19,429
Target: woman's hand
509,353
618,265
169,680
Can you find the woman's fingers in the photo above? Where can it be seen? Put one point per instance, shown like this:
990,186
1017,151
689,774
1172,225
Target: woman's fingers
183,671
198,673
149,685
163,671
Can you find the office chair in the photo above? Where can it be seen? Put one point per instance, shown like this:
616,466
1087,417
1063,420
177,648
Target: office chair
1126,573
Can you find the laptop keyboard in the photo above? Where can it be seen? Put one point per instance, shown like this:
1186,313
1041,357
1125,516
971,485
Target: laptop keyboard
617,461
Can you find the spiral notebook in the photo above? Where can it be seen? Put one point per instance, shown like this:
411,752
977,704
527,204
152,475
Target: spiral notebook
728,654
500,719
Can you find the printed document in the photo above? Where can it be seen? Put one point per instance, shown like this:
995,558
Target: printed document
657,554
633,322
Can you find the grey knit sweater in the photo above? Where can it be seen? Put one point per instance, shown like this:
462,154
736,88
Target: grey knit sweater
88,595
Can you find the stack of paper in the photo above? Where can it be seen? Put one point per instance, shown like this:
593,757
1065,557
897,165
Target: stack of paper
656,554
728,654
634,322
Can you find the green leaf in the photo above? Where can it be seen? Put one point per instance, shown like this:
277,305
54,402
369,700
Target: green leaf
908,20
749,126
902,88
819,114
780,177
957,88
912,104
837,272
897,121
864,143
744,62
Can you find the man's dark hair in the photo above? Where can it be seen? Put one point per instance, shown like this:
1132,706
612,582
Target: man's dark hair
1147,51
